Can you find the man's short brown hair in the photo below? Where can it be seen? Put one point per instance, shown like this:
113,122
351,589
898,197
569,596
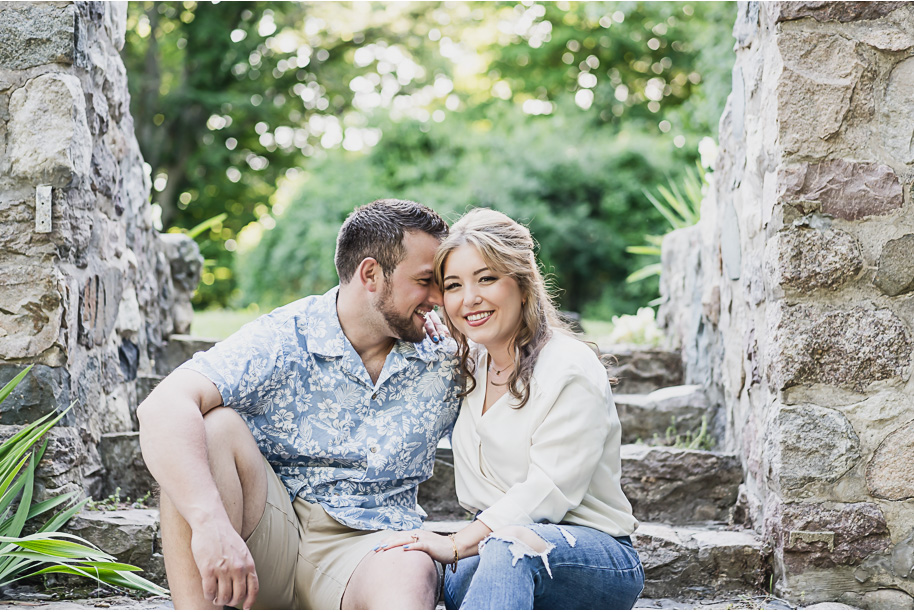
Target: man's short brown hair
376,230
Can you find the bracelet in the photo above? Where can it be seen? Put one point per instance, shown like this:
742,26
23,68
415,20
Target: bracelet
453,565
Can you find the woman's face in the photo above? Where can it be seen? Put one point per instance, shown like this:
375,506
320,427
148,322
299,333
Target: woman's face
483,305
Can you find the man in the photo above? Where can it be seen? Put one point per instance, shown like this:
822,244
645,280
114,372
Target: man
285,450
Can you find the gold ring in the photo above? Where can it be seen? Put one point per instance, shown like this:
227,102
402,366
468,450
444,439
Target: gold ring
415,537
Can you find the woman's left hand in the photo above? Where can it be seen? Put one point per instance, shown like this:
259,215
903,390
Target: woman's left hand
438,547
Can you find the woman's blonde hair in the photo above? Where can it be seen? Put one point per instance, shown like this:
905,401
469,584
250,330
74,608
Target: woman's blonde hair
507,248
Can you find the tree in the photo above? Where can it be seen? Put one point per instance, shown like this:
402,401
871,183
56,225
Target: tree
234,99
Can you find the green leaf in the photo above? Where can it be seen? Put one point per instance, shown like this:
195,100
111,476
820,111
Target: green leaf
8,387
205,225
645,272
643,250
59,552
59,519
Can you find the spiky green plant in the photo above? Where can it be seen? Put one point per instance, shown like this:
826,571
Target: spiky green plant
680,205
47,550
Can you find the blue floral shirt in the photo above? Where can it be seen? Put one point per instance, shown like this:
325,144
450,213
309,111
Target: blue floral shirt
358,448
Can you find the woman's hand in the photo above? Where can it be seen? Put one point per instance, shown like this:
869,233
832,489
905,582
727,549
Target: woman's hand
438,547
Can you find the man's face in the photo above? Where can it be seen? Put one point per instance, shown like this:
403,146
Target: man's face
410,291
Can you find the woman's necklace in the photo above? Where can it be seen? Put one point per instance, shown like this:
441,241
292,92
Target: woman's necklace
497,372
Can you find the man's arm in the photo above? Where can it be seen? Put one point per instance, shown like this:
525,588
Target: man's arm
173,441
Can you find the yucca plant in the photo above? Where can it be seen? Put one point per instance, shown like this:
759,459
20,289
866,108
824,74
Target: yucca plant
680,205
47,551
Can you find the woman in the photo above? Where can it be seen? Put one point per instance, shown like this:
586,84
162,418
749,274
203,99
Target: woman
536,445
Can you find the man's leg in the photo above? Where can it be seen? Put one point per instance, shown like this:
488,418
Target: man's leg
393,579
238,469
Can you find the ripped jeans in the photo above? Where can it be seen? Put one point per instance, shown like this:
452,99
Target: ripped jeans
579,568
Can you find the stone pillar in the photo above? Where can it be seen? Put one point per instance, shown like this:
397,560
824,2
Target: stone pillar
86,290
792,299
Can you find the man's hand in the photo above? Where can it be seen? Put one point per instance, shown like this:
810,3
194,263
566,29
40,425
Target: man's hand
225,564
435,328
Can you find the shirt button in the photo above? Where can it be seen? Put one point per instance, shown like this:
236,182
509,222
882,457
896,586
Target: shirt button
373,449
374,396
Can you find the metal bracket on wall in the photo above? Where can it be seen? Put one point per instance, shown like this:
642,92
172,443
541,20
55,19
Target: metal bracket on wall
43,209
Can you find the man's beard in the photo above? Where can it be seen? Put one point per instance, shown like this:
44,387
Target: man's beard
402,327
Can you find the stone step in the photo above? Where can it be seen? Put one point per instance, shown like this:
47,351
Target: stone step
700,562
680,486
124,466
675,410
177,350
691,562
674,485
667,484
688,562
131,535
642,369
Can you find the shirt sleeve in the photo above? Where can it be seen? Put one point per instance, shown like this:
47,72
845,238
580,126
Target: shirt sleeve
564,453
245,367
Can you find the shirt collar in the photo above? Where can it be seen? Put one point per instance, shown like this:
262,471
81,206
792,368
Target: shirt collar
333,342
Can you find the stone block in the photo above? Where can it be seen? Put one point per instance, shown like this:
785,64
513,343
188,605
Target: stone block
642,370
680,408
36,33
806,259
99,302
890,473
731,251
811,445
843,348
895,274
822,10
17,231
829,535
186,265
32,310
122,459
845,189
60,470
694,562
896,112
42,390
815,87
48,135
680,486
132,536
177,350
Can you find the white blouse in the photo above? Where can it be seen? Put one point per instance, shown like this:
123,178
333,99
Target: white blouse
554,460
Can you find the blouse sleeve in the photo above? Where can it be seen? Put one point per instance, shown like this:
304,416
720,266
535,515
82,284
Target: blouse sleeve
564,453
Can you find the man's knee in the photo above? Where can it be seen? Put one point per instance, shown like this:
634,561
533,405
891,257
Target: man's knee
416,568
394,578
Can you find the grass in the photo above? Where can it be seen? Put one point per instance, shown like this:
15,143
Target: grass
220,324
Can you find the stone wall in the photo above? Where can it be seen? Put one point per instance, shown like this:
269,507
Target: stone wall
792,299
86,290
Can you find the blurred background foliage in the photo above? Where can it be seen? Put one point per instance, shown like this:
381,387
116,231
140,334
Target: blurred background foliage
285,116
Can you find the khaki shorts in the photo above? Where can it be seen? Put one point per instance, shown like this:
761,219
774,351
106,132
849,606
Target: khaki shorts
304,558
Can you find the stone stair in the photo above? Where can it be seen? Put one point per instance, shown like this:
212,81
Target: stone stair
684,498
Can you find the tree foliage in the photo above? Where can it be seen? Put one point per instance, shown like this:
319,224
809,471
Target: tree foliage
555,112
580,194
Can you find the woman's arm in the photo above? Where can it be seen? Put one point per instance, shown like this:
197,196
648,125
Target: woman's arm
439,547
565,450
